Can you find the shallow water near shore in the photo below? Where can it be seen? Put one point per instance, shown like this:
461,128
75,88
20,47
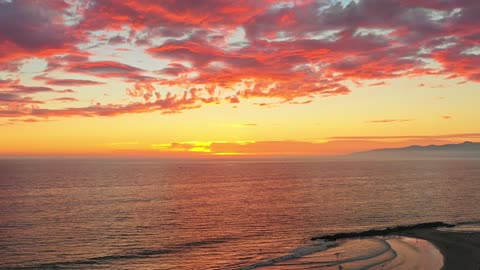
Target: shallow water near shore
219,214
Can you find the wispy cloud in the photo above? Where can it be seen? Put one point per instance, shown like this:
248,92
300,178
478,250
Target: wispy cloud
383,121
242,125
439,136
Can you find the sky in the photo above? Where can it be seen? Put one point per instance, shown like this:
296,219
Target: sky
236,78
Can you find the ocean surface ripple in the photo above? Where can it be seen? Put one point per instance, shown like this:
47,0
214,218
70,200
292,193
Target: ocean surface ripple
224,214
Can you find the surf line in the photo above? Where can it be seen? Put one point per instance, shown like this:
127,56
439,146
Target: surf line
382,232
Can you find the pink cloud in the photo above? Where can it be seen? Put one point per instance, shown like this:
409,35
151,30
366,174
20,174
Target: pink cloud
378,84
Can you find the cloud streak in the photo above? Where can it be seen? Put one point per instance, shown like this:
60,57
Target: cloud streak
67,82
384,121
440,136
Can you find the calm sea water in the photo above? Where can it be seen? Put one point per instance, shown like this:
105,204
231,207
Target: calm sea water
157,214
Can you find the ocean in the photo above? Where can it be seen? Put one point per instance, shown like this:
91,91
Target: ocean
218,213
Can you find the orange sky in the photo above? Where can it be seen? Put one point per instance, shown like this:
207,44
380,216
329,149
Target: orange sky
236,78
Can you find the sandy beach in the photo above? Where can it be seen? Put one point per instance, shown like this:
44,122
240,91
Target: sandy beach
461,250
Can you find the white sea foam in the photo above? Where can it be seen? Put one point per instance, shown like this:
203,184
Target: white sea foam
466,227
294,254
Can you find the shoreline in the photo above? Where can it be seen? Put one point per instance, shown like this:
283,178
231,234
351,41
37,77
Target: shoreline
460,250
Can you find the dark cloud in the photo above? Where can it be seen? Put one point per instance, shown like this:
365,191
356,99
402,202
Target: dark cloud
22,89
6,97
109,69
35,28
67,82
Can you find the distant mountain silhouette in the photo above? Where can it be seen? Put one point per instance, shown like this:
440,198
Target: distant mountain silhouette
461,150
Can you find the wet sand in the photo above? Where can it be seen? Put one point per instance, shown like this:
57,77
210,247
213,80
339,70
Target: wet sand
461,250
459,244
